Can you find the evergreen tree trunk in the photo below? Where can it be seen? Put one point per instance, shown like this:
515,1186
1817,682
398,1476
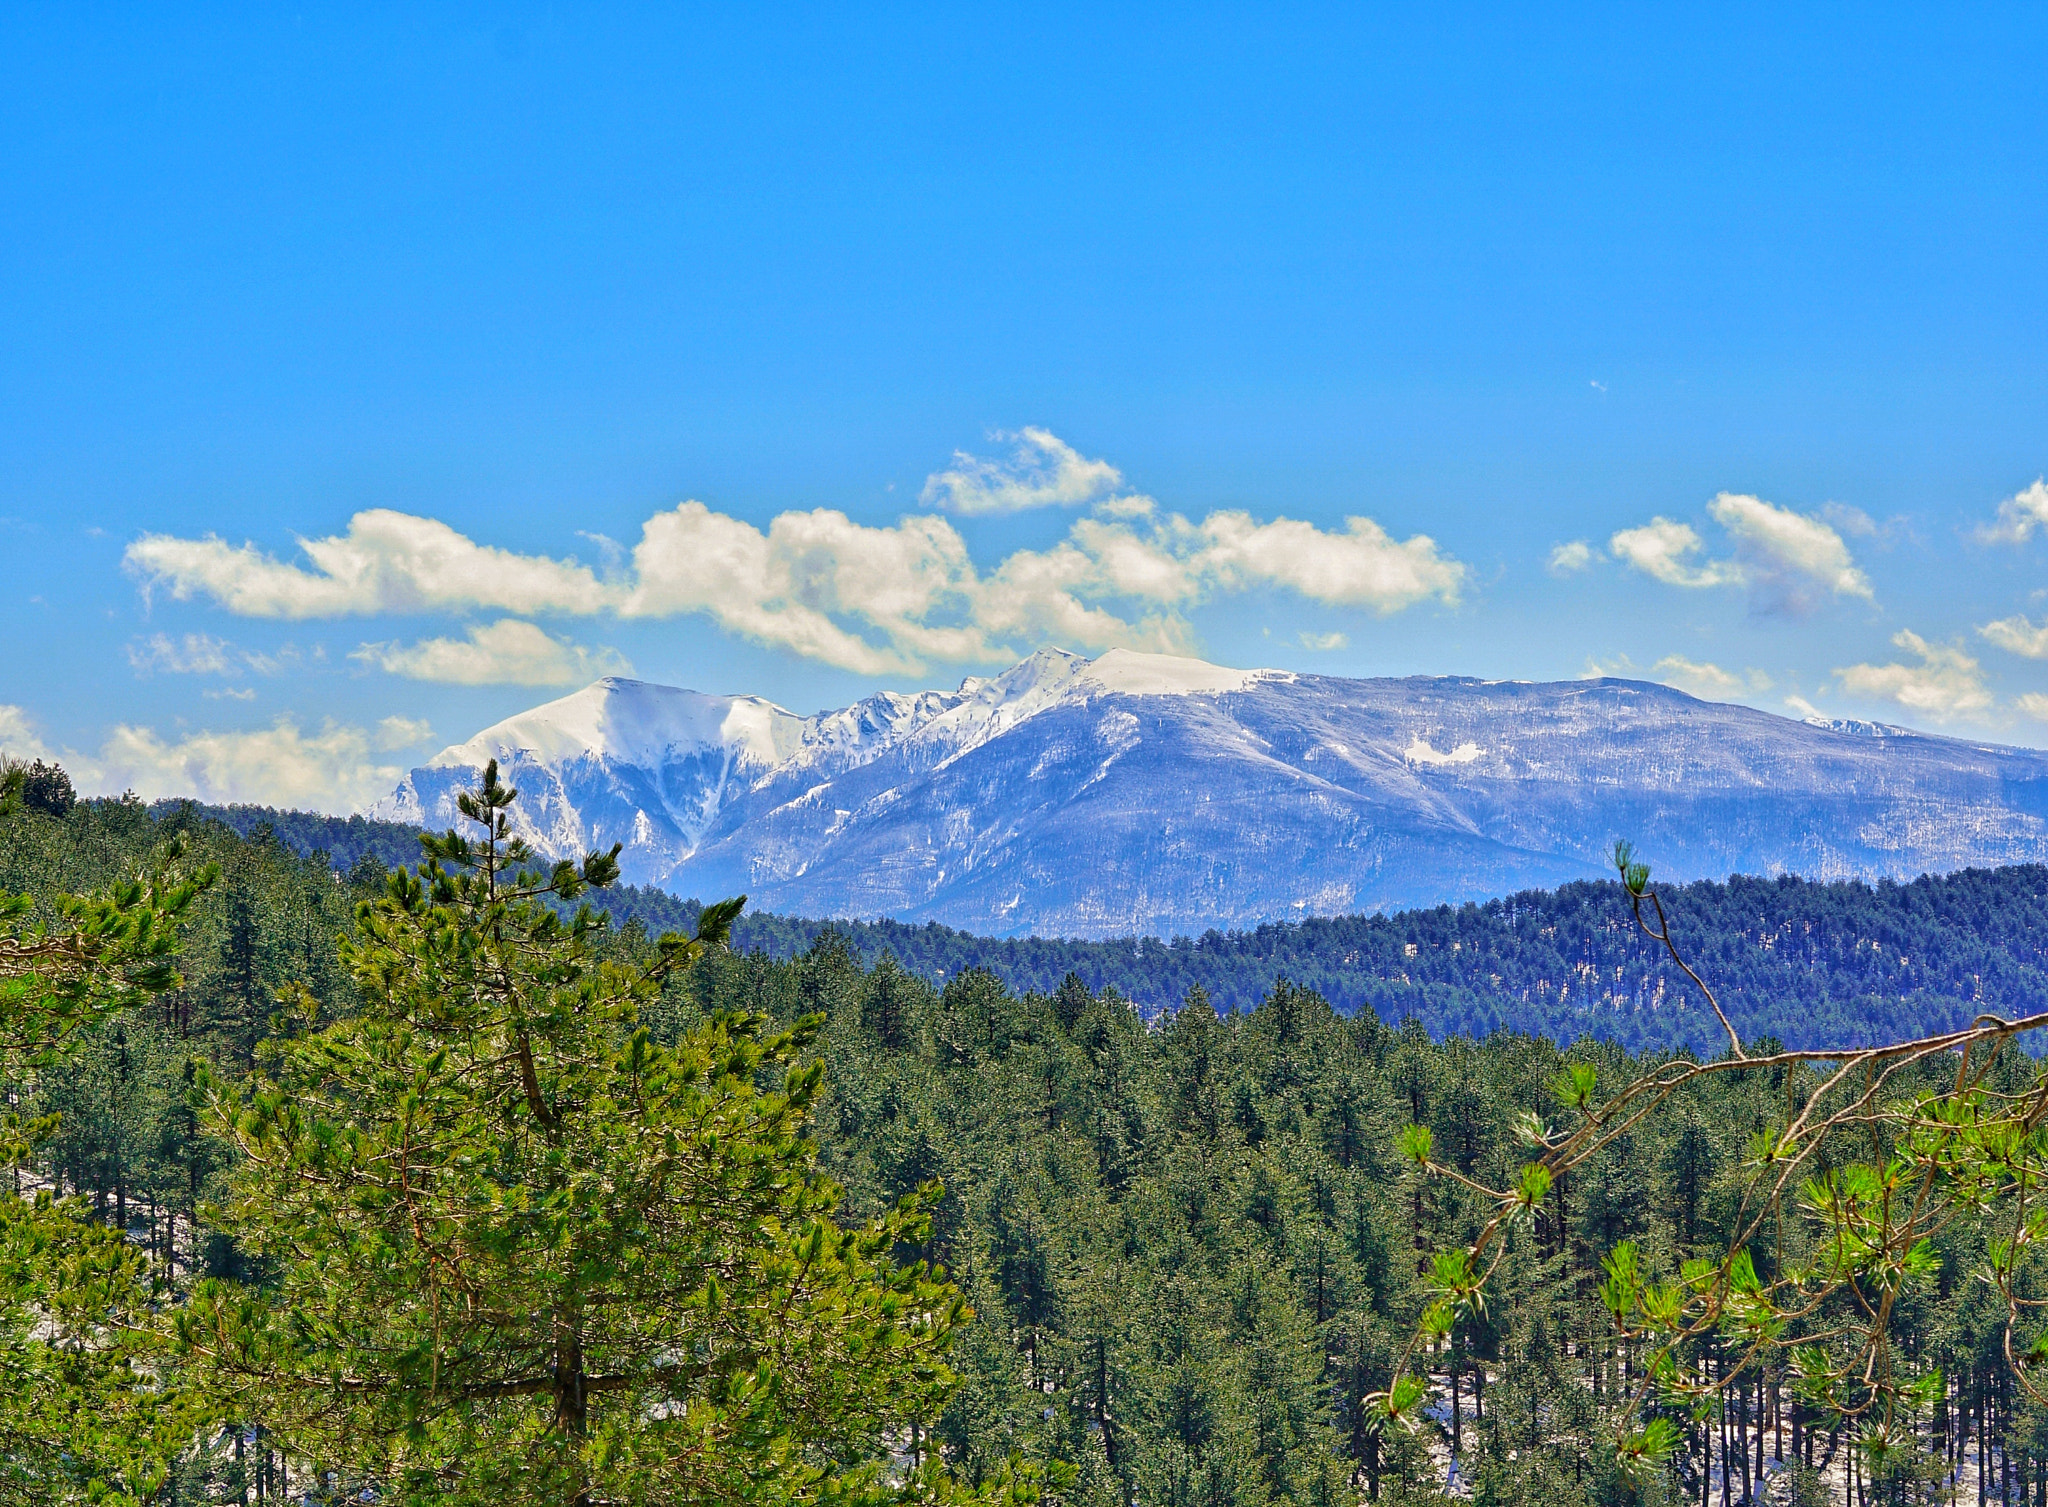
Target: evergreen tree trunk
572,1403
1457,1430
1742,1422
1102,1421
1372,1466
2004,1430
1942,1432
1721,1375
1761,1424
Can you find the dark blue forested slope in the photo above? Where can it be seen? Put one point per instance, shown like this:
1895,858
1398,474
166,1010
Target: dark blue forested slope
346,840
1811,963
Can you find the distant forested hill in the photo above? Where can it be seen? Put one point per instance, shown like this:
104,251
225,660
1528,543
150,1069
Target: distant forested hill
1810,963
346,840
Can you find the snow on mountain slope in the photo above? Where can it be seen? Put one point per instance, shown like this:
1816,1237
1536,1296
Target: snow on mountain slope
618,761
1146,793
632,722
1123,672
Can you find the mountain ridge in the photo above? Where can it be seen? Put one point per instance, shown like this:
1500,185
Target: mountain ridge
1147,793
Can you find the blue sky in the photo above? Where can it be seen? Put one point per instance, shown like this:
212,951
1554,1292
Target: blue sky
371,375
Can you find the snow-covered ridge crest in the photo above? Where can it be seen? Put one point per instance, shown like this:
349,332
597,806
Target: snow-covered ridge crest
634,722
655,766
1138,793
1129,673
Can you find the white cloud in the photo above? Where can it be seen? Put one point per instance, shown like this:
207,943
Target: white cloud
203,654
1042,471
2033,704
1850,520
868,598
507,652
1663,549
281,765
400,732
1565,559
2018,516
1945,684
18,737
386,562
1787,560
794,585
194,654
333,769
609,549
1708,681
1325,642
1164,565
2016,635
1361,567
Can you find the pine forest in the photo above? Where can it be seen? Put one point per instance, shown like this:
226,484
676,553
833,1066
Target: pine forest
487,1181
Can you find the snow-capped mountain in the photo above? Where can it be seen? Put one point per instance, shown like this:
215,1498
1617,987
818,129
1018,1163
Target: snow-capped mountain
1145,793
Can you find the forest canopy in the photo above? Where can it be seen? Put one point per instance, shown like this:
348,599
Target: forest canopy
1147,1255
1809,963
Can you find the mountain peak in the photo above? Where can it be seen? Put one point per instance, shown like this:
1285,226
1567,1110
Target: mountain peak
635,722
1136,792
1047,669
1131,672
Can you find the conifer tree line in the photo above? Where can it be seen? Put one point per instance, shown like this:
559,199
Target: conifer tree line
424,1186
1811,963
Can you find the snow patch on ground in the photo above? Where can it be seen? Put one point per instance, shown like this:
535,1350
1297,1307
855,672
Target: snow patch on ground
1420,752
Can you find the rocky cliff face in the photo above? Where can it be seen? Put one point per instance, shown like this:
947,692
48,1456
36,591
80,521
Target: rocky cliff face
1142,793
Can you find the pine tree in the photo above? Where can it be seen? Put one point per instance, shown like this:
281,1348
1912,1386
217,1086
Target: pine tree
525,1254
886,1010
237,1003
1070,1001
88,1411
47,788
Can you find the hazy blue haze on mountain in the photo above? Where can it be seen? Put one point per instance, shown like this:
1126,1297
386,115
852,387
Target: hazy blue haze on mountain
1814,964
1139,794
